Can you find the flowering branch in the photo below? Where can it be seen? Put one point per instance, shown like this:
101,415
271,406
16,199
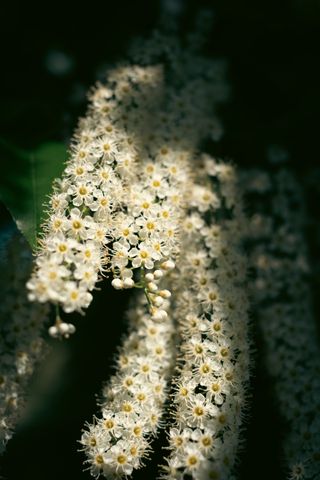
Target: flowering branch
211,310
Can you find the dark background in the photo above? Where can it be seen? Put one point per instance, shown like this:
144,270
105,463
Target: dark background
272,48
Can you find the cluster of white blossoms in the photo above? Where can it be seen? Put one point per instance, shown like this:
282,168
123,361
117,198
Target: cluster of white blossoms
117,443
138,201
88,206
146,237
117,206
281,292
21,327
210,307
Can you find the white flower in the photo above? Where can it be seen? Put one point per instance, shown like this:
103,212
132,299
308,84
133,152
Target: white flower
126,228
120,257
144,255
87,275
82,193
126,162
148,226
142,203
88,254
50,271
63,249
101,205
57,223
158,185
105,176
75,297
79,226
78,171
59,202
119,459
106,147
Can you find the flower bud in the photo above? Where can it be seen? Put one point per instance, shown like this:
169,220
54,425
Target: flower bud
117,283
168,265
159,314
158,274
53,331
152,287
63,328
72,328
158,301
165,293
128,283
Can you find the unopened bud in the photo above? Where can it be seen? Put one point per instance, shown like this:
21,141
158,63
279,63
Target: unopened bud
117,283
152,287
53,331
128,283
158,301
168,265
158,274
63,328
159,314
72,328
165,293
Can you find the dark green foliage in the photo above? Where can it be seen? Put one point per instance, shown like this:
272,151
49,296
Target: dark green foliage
26,181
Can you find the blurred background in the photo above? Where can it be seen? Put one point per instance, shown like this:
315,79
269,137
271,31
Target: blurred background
50,56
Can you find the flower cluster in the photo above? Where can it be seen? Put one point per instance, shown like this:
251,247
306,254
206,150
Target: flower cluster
118,205
211,310
133,400
281,291
102,208
21,345
94,189
139,201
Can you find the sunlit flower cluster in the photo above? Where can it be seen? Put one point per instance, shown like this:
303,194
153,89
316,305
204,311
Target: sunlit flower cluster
138,202
117,208
94,191
133,399
21,328
210,306
285,312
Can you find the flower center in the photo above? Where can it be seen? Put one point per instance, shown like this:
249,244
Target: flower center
198,411
62,247
76,224
109,424
99,459
74,295
121,459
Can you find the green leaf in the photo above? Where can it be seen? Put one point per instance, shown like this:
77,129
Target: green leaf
26,181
